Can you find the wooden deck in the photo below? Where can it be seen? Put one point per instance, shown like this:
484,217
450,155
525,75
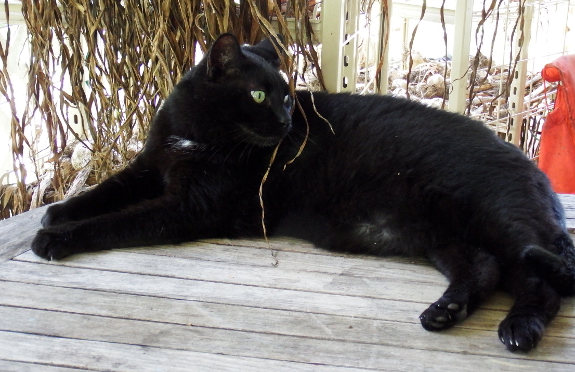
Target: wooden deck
222,306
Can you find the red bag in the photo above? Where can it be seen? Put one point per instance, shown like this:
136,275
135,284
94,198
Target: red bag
557,146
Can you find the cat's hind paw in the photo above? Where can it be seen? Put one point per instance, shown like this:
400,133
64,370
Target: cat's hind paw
51,244
521,332
443,314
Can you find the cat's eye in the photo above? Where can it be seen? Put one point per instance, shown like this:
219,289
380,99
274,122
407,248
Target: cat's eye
258,95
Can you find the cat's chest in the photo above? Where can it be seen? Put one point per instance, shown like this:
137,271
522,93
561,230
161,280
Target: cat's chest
187,165
180,146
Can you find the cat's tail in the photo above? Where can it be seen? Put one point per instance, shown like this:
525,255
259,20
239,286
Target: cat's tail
557,269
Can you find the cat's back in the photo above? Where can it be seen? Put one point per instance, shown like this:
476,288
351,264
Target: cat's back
393,146
402,131
389,116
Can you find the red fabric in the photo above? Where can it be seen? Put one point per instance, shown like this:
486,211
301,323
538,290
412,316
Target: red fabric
557,146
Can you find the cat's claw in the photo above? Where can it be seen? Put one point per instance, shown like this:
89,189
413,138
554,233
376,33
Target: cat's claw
521,332
51,244
443,314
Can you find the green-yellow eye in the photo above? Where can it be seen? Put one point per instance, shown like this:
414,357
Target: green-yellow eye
258,95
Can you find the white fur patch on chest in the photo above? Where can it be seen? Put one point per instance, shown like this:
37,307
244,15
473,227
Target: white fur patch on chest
183,144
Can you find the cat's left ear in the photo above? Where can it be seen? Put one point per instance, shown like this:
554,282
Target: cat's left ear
268,49
226,49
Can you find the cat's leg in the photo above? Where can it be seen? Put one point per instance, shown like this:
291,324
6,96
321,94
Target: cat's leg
132,185
473,275
159,221
558,270
536,303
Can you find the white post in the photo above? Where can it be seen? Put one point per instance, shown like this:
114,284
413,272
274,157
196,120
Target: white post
332,39
517,94
349,61
339,44
384,44
460,62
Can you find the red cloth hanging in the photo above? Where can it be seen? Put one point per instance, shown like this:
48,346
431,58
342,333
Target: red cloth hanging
557,146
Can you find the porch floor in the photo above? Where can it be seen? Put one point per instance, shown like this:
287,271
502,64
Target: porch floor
222,306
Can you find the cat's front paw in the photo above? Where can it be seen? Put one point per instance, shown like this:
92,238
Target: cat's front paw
521,332
55,215
52,244
443,314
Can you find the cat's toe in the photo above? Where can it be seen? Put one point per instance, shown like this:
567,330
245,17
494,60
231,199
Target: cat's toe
521,332
55,215
443,314
50,245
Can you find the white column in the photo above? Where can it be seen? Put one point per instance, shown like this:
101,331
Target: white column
384,44
349,58
339,44
517,93
460,61
332,38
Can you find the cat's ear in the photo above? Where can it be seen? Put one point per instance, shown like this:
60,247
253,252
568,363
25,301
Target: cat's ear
226,49
271,43
268,49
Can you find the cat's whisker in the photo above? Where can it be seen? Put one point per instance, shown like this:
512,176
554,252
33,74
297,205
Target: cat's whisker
248,147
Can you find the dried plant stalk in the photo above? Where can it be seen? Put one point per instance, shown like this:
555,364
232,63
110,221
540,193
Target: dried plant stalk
99,70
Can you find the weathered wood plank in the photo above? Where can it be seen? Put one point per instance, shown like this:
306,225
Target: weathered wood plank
389,348
185,304
395,311
235,317
290,274
275,280
312,259
16,233
13,366
388,285
235,294
383,283
106,356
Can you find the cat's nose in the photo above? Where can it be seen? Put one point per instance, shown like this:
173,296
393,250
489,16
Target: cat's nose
285,120
283,116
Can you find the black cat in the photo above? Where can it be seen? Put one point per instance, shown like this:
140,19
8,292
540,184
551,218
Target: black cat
366,174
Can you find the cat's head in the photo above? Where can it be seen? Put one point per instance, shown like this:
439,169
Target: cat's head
239,95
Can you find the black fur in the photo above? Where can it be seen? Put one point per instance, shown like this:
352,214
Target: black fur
394,177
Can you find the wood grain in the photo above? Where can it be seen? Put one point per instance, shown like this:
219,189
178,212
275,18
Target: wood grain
16,233
220,305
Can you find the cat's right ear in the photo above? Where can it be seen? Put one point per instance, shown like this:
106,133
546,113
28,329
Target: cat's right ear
226,49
